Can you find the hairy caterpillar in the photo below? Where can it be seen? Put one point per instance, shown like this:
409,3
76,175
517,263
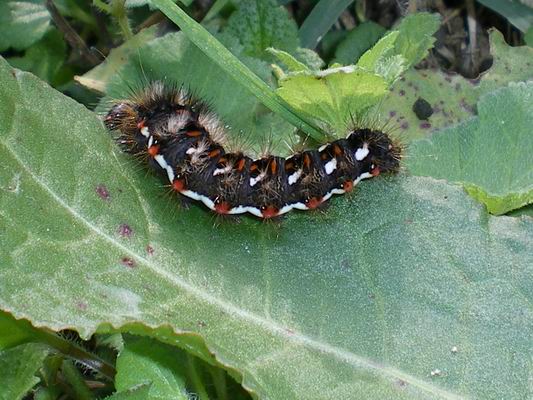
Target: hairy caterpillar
181,139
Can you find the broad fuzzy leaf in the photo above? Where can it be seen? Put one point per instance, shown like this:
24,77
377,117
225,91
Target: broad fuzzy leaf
407,277
139,392
336,97
22,23
19,366
490,154
452,97
403,47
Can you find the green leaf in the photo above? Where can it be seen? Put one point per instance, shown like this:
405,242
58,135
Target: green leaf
139,392
22,23
98,77
359,40
146,360
260,24
19,366
235,68
13,332
490,154
319,21
292,63
515,11
452,97
510,64
407,277
337,96
403,47
528,37
44,58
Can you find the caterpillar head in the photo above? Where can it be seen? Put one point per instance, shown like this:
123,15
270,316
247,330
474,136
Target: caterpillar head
375,150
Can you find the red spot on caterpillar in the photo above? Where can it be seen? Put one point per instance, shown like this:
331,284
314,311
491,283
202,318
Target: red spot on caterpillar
313,202
127,262
307,160
193,133
140,125
273,166
214,153
289,166
178,185
125,230
240,164
270,212
102,192
222,207
337,150
153,150
375,171
253,167
347,186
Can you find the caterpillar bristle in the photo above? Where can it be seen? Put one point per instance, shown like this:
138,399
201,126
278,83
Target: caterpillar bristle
171,131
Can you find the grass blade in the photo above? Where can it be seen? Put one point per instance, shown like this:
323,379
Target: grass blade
320,20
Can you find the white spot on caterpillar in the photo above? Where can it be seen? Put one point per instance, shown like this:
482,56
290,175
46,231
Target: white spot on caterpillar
191,150
327,196
145,132
163,164
285,209
323,147
338,191
220,171
238,210
300,206
362,152
294,177
200,197
255,211
150,141
331,166
253,181
364,175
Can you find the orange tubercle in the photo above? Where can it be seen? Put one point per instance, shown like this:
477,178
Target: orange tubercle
347,186
314,202
375,171
270,212
178,185
153,150
223,207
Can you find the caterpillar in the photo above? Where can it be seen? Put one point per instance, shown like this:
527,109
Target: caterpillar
184,141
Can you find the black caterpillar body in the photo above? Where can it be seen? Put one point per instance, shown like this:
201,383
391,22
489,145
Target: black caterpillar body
184,141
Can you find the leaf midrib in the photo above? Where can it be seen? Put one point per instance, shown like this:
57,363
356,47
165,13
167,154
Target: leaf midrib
306,341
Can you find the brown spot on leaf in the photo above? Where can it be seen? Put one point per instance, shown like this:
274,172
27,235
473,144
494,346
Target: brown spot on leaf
128,262
150,250
125,230
102,192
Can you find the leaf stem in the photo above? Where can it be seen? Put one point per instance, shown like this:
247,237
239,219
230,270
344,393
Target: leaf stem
219,380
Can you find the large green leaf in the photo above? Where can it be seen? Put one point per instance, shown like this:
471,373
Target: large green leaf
141,361
359,40
22,23
19,366
260,24
407,290
452,97
490,154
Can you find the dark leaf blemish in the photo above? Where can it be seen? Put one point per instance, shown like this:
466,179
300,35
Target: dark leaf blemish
422,109
102,192
128,262
125,230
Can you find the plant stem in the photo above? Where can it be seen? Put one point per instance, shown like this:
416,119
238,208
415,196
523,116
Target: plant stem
198,385
219,380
